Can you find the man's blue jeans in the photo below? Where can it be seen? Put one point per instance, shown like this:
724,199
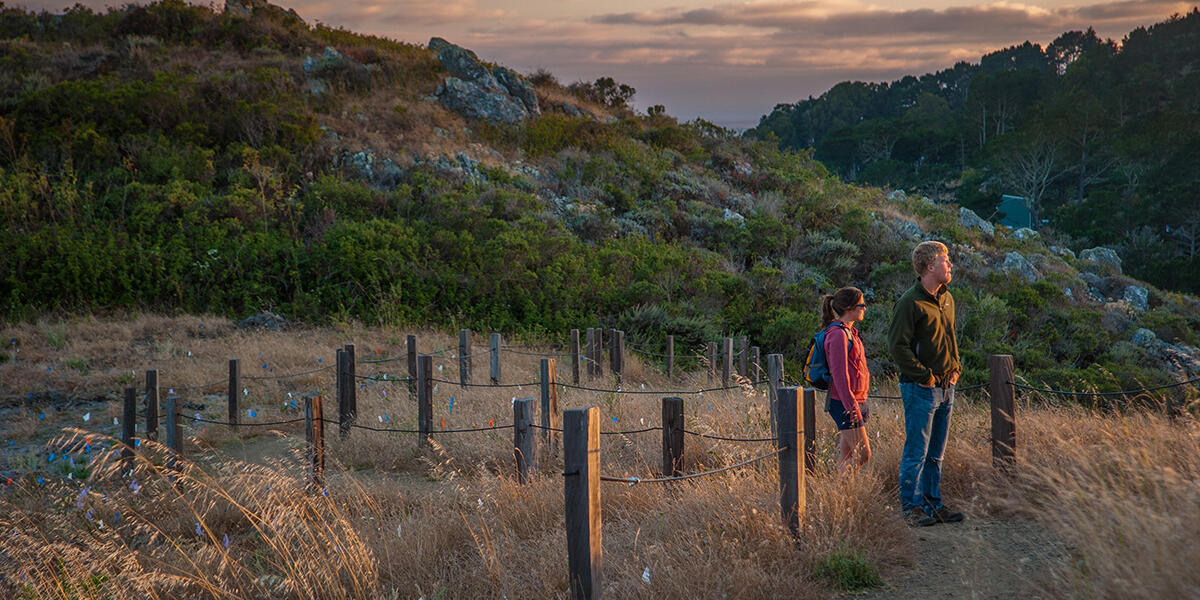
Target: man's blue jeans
926,425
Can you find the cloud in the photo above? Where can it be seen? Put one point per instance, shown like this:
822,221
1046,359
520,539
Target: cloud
404,14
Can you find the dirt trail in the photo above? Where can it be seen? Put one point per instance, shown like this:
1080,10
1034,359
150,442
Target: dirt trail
978,559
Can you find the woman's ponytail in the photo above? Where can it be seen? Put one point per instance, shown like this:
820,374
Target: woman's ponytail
833,305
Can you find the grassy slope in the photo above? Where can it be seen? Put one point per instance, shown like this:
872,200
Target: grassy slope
451,522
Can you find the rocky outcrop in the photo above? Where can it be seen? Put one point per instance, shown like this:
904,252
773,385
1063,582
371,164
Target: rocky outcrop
897,196
967,218
365,165
245,9
499,95
263,320
1015,262
1137,296
1106,258
1180,360
1025,233
907,229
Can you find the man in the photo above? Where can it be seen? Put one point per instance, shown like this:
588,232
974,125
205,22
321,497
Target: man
922,342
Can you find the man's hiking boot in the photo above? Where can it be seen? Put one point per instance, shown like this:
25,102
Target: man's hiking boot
917,518
945,515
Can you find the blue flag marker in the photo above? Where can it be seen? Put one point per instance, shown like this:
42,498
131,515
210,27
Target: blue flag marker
116,518
451,403
614,419
226,541
252,413
42,416
51,457
198,530
41,481
320,360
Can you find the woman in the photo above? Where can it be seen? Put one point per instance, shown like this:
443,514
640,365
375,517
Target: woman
849,378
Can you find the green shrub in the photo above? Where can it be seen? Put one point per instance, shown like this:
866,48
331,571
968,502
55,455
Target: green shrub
847,570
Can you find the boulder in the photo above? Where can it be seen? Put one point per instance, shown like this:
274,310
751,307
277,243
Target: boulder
1180,360
244,9
1014,262
263,320
1106,257
382,174
498,96
477,102
1137,297
907,228
1025,233
518,88
967,218
733,216
897,196
462,63
1063,251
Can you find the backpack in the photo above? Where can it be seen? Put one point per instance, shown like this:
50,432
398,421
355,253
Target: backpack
816,367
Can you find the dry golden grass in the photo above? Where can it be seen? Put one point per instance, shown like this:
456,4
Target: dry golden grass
450,521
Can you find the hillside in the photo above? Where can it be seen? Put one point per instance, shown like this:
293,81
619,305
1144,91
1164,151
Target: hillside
173,158
1096,136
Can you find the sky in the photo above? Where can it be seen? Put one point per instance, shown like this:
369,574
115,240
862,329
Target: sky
727,62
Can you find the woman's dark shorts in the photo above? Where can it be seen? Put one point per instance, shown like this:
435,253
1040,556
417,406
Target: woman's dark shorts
838,412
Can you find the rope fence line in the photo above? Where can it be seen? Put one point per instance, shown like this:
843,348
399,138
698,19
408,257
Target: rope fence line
1122,393
681,392
286,376
385,377
636,480
549,355
728,439
486,385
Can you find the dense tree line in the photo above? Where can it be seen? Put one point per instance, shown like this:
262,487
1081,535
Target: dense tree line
1100,139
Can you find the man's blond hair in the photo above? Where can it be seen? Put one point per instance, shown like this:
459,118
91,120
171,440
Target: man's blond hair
925,253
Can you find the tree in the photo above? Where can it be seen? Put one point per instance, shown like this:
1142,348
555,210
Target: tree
1029,168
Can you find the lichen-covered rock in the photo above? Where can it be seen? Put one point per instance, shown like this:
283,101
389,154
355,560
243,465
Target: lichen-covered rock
1107,257
908,229
1137,297
1015,262
478,102
518,88
897,196
967,218
1180,360
1063,251
365,165
462,63
1025,233
263,320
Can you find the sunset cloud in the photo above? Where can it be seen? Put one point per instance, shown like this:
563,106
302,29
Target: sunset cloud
726,61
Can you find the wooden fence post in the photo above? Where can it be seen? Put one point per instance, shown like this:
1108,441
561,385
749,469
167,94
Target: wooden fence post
152,404
726,360
411,343
670,357
351,389
549,413
129,422
581,486
235,388
524,442
743,354
174,430
672,426
617,354
464,357
314,435
343,394
589,349
1004,422
755,363
424,399
712,361
575,356
774,382
810,428
791,476
494,355
599,356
